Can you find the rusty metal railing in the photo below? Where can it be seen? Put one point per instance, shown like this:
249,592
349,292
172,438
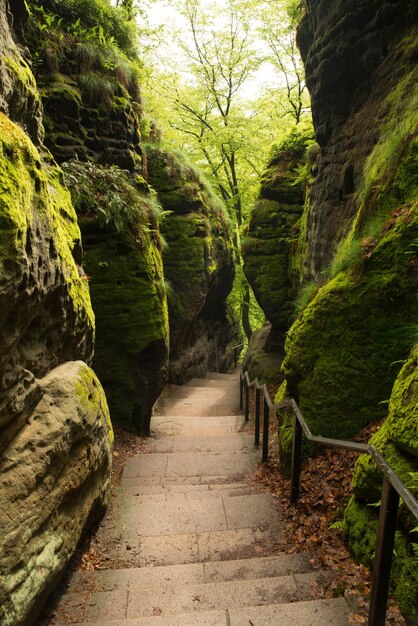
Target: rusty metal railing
393,488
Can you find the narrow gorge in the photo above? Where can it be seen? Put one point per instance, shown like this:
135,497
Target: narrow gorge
130,268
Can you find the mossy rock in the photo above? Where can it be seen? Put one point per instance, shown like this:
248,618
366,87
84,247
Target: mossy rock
260,363
198,260
267,249
129,299
396,440
343,353
360,531
271,237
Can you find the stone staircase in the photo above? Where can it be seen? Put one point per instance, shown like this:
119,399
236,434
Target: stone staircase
190,542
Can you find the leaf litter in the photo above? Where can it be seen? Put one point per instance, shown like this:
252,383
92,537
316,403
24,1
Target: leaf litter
313,524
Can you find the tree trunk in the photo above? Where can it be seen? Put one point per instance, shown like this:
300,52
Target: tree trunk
245,311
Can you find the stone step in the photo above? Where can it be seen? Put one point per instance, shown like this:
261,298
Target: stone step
219,376
236,442
177,403
175,516
183,492
125,550
183,465
194,573
194,425
306,613
181,391
231,384
143,600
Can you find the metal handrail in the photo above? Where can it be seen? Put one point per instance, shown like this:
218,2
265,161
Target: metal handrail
235,349
392,490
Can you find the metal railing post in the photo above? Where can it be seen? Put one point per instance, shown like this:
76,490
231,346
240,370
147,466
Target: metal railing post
393,489
257,417
296,460
384,550
247,401
266,415
241,393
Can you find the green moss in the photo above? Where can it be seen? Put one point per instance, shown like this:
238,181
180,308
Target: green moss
397,439
261,364
92,398
343,352
360,530
266,251
404,407
273,230
22,74
132,320
401,120
31,188
198,260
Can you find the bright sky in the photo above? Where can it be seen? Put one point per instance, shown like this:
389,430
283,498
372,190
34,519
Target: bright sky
162,13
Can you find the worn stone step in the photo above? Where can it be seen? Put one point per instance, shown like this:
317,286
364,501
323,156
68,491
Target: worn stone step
333,612
230,384
330,612
149,516
140,600
184,492
181,465
219,376
205,391
232,442
208,406
193,573
196,425
198,547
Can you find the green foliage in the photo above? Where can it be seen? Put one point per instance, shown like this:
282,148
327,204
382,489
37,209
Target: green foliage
235,303
87,19
355,249
111,195
296,142
90,46
96,88
305,294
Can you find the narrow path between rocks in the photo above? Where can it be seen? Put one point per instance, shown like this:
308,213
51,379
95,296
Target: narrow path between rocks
189,540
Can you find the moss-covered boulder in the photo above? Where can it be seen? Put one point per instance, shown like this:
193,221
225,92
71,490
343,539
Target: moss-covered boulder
198,265
259,362
271,237
54,484
122,258
397,441
343,353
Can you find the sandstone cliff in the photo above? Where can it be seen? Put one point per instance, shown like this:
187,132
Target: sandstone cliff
91,95
356,254
56,438
198,265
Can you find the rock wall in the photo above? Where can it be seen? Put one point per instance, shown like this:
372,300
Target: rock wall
55,434
358,246
397,441
270,241
357,54
92,119
19,97
84,118
198,265
343,352
122,257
